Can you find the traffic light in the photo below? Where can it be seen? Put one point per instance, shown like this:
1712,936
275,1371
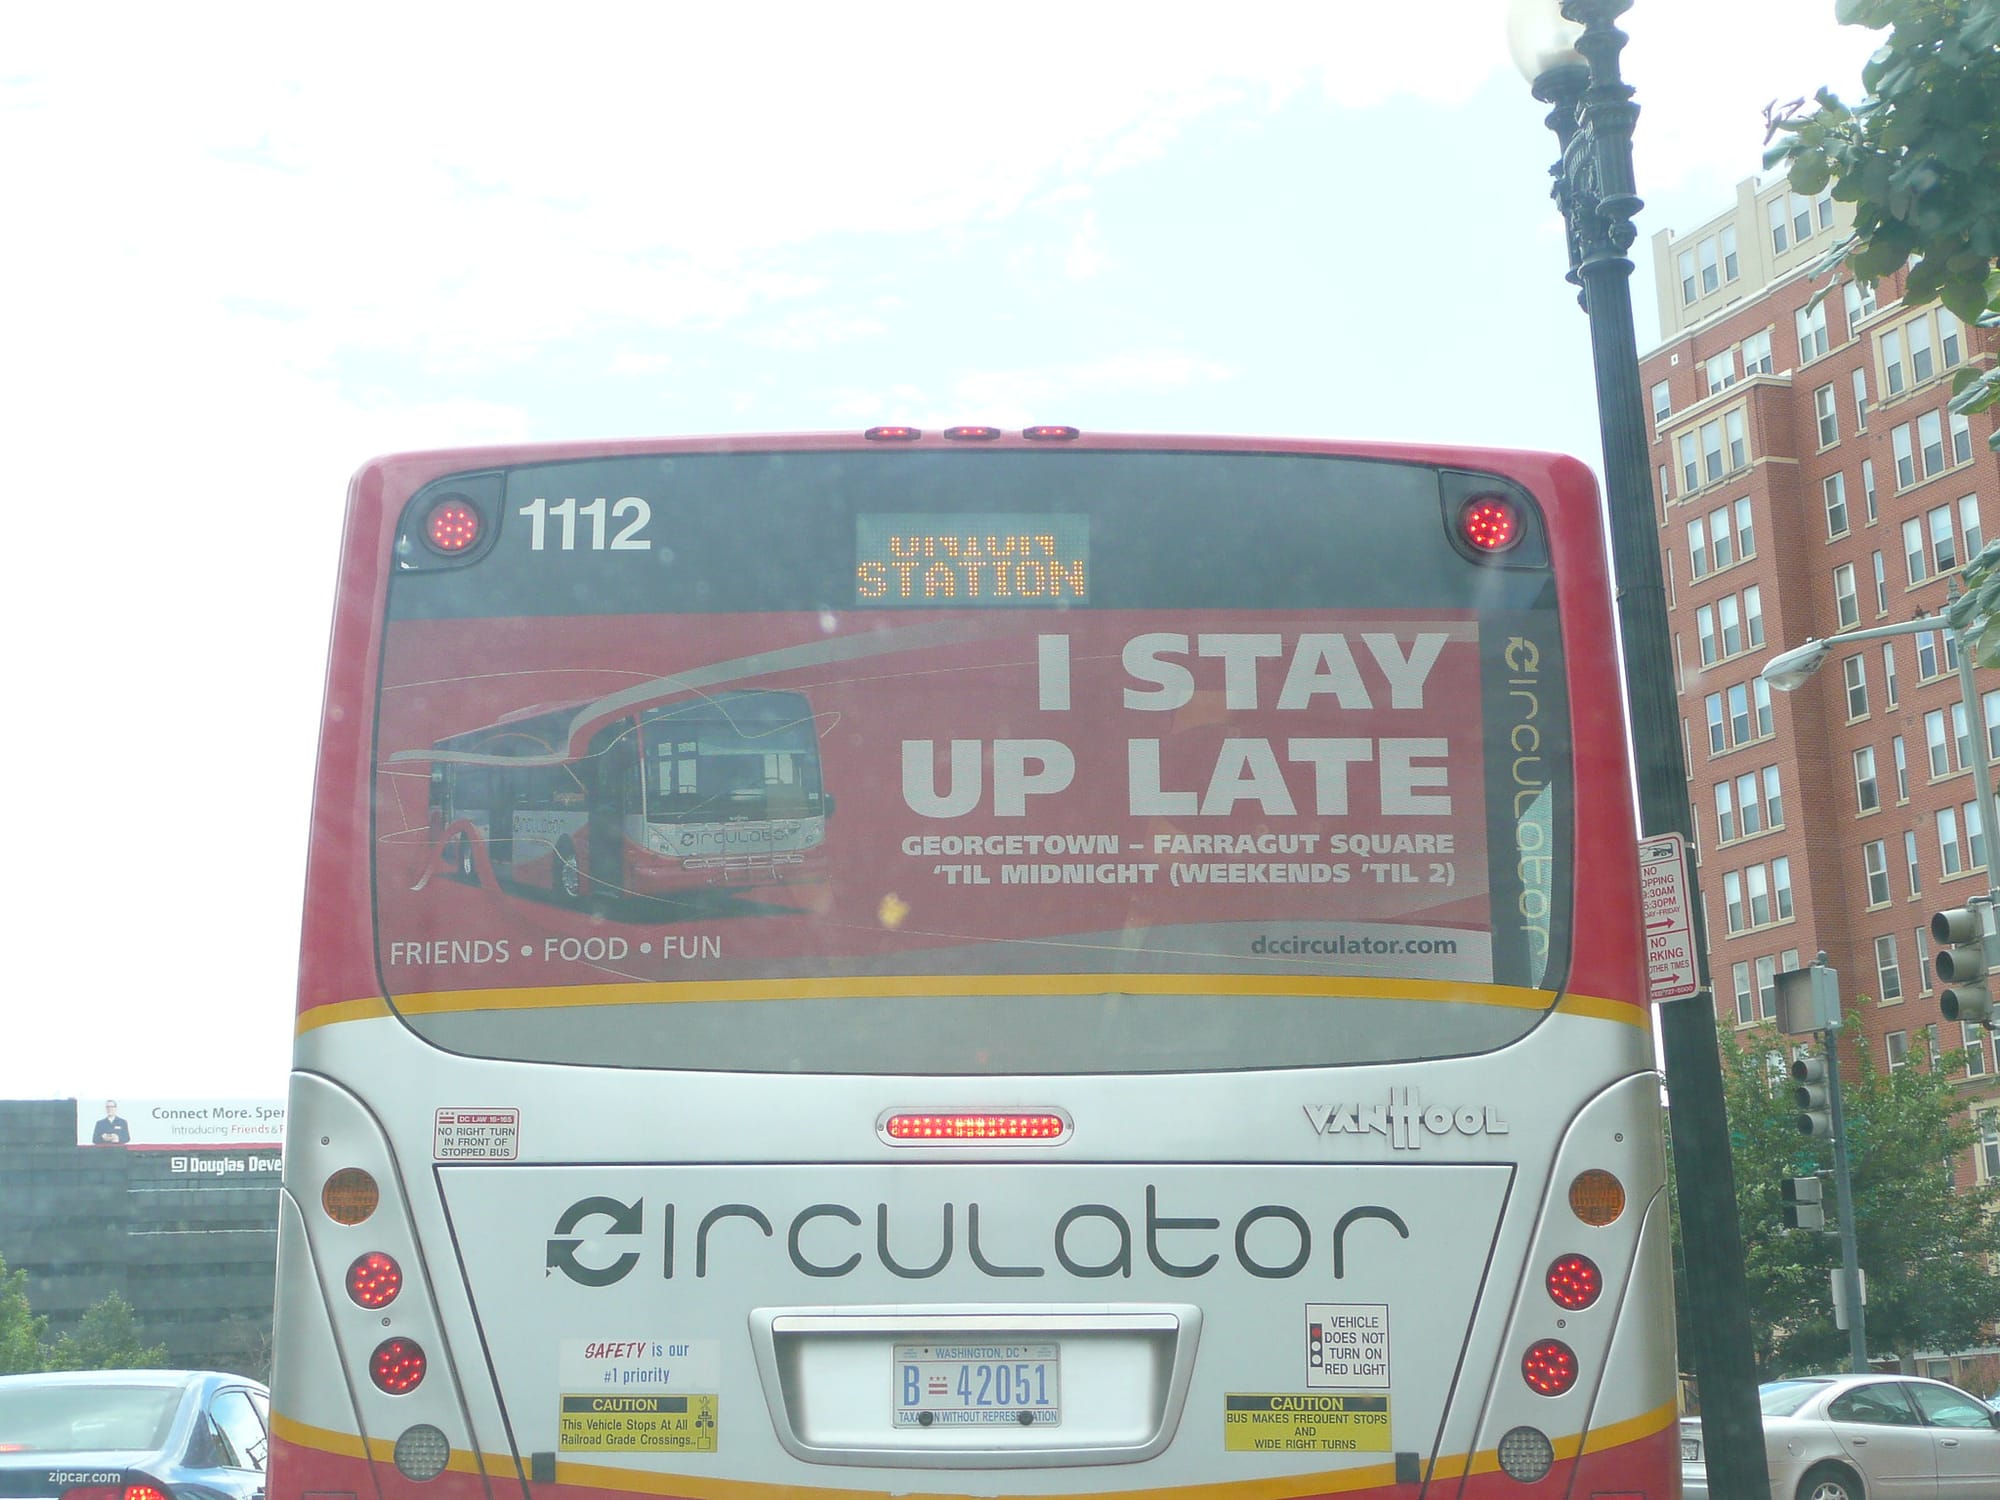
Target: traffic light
1963,963
1815,1117
1802,1203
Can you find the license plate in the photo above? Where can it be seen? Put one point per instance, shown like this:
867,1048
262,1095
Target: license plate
977,1385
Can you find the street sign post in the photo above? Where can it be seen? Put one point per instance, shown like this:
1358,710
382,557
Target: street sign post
1671,968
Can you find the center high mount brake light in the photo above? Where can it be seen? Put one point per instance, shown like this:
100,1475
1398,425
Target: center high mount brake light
973,1127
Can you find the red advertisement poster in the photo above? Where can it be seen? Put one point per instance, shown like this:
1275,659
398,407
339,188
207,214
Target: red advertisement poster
743,797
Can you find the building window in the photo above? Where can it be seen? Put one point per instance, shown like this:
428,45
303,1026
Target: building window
1950,859
1961,741
1906,461
1774,800
1729,612
1746,532
1732,900
1719,370
1889,973
1663,404
1930,441
1713,706
1835,488
1961,439
1990,708
1989,1145
1698,548
1711,452
1761,691
1721,543
1944,542
1902,760
1727,239
1924,978
1948,341
1829,420
1865,793
1781,225
1757,354
1704,629
1739,441
1740,976
1812,332
1767,988
1927,654
1739,715
1847,605
1974,840
1690,468
1868,489
1936,741
1856,672
1882,608
1916,556
1910,866
1875,863
1896,1045
1757,880
1893,380
1860,299
1976,1061
1781,888
1922,363
1746,794
1689,287
1725,813
1969,528
1860,400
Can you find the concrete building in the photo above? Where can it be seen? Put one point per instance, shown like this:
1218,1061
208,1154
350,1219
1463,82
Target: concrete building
187,1236
1810,480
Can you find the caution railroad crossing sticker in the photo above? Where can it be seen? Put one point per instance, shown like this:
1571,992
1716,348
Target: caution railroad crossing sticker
1316,1421
637,1424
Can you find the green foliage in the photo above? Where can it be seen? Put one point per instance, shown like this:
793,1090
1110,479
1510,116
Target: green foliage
1925,1245
106,1338
20,1329
1919,158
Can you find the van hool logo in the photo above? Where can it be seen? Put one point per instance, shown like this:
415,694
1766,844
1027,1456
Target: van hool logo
1406,1120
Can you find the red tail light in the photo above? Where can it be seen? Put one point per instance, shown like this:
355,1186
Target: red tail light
1549,1367
893,434
397,1366
452,526
374,1280
1490,523
1050,432
103,1491
1575,1282
972,434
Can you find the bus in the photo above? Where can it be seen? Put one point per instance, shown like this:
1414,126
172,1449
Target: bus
627,796
1207,1053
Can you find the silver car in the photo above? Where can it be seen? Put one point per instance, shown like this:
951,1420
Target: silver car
1866,1437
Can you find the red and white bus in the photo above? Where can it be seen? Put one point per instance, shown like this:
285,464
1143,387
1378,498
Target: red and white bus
1206,1053
631,796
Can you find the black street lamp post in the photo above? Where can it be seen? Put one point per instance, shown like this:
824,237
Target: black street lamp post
1569,51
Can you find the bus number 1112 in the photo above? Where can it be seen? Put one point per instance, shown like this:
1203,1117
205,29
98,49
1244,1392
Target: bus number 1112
633,512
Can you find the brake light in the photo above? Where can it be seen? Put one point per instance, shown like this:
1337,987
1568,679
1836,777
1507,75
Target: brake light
350,1195
102,1491
1549,1367
1490,523
452,526
893,434
397,1366
975,1127
374,1280
972,434
1575,1282
1050,432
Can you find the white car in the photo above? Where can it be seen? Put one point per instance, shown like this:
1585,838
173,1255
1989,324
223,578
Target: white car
1866,1437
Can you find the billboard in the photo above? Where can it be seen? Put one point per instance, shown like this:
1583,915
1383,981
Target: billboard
179,1124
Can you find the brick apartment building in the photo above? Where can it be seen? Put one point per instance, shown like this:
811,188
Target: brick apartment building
1811,479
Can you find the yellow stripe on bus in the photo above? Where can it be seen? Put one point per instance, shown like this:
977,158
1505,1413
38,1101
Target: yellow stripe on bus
446,1002
698,1487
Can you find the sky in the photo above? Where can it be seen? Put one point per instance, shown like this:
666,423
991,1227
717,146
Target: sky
250,247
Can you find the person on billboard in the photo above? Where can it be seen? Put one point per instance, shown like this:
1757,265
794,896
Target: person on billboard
111,1130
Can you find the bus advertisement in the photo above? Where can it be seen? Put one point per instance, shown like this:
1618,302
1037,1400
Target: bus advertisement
977,965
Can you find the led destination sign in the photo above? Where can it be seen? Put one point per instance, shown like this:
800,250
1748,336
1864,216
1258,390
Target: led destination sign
996,559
